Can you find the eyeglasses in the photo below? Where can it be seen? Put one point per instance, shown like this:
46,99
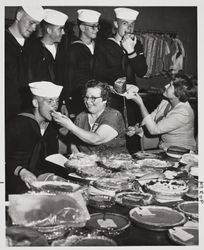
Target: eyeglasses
94,27
92,98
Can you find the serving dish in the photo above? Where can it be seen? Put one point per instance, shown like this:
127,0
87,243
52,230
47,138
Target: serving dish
114,184
154,163
167,189
145,155
189,208
184,235
156,218
100,201
53,232
174,155
54,187
132,199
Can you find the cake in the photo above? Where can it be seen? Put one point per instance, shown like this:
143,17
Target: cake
120,85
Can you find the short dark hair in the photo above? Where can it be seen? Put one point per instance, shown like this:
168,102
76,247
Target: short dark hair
184,87
44,25
105,89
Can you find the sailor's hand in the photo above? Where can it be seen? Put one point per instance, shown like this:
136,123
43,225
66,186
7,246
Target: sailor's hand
28,177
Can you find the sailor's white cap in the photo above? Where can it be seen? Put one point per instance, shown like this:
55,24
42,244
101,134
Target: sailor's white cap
126,13
55,17
45,89
35,11
88,16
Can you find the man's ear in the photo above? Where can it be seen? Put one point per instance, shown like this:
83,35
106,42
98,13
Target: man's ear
49,30
82,27
19,15
115,23
35,103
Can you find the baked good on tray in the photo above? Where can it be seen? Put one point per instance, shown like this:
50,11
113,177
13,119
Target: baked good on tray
120,85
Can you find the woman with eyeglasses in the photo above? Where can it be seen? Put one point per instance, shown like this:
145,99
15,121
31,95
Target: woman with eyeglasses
99,128
173,119
80,59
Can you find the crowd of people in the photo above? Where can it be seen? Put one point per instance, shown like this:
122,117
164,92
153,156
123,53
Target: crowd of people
48,88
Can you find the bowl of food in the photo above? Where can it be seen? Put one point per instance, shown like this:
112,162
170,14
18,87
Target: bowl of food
166,189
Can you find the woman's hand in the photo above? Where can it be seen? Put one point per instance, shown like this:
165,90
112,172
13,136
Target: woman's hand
131,130
27,177
62,120
64,110
132,95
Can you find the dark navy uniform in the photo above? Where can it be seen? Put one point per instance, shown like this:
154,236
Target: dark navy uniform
79,71
14,76
112,62
27,147
41,65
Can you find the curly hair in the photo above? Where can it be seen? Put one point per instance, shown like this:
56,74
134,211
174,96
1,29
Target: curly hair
184,87
105,89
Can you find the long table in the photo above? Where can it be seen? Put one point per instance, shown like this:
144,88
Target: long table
135,235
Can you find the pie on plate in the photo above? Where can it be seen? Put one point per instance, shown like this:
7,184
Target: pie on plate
167,189
154,163
54,187
158,218
190,208
132,199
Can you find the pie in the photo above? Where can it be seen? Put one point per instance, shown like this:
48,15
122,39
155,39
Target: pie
167,189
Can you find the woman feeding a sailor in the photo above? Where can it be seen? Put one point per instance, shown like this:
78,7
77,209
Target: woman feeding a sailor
173,120
99,128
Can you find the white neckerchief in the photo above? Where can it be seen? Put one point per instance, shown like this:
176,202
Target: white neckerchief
21,40
52,49
43,127
91,47
113,39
